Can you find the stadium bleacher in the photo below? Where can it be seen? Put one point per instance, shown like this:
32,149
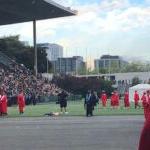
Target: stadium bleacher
14,77
5,60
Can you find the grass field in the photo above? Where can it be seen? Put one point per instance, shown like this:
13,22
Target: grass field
74,109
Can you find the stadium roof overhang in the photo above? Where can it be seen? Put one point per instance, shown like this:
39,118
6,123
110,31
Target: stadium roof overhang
18,11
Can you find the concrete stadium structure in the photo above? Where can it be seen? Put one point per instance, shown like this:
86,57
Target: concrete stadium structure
143,76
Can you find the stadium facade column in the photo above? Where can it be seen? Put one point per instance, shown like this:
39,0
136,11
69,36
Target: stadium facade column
35,48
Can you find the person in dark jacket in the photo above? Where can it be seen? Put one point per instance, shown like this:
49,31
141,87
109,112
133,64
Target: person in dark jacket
94,98
89,103
63,101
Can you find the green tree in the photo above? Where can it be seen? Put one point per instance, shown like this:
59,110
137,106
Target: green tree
136,67
17,50
82,71
82,85
11,46
103,70
135,81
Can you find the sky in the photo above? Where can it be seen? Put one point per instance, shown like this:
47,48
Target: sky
115,27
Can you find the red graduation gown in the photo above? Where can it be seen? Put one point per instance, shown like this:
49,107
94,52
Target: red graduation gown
21,102
3,104
116,99
144,143
136,98
126,100
145,105
112,100
104,99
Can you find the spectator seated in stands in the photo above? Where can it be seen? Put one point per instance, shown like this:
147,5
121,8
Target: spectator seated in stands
19,77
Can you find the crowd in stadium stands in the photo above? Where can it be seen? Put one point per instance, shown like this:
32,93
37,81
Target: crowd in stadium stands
19,77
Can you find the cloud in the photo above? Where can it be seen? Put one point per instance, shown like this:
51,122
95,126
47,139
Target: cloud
65,3
147,1
122,20
108,16
110,5
115,30
103,25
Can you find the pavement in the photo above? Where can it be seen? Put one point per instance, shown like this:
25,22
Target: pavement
71,133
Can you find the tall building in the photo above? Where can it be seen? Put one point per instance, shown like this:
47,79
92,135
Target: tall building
54,51
69,65
108,62
96,65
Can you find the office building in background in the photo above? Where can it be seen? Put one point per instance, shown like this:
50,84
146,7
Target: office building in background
69,65
109,62
54,51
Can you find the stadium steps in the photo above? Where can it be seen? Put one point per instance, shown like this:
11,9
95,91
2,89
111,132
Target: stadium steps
5,60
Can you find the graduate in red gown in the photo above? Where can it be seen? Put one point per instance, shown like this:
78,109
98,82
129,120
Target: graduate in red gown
116,99
136,99
3,102
21,102
126,100
0,105
144,100
112,100
144,143
104,98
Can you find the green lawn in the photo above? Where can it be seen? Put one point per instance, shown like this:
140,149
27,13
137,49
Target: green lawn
74,109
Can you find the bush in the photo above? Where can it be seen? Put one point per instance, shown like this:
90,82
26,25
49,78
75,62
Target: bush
80,86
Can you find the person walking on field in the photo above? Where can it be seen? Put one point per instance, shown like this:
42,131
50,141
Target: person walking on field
21,102
104,99
136,99
144,143
3,102
126,100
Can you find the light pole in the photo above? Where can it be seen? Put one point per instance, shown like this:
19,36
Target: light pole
86,64
35,48
76,72
47,64
109,64
109,67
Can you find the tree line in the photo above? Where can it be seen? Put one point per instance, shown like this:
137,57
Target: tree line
80,86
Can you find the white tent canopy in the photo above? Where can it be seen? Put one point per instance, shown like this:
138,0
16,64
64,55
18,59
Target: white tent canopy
140,88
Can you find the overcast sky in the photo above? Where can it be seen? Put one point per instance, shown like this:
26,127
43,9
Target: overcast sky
116,27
